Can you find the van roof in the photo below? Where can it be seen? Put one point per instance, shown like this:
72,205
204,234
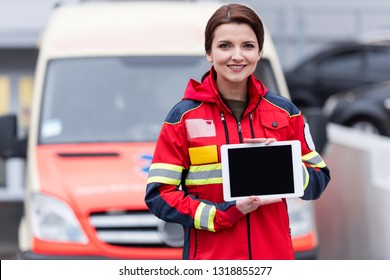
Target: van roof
128,28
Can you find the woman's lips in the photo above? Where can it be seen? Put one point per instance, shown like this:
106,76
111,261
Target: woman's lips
236,68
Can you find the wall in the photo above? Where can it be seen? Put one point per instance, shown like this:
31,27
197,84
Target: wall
353,213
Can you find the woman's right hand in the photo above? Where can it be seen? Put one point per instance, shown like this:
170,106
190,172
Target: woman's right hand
251,203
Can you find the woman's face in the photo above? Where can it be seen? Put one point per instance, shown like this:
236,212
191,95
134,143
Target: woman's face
234,53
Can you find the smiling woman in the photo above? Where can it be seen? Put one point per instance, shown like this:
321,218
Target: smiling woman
234,54
228,106
99,101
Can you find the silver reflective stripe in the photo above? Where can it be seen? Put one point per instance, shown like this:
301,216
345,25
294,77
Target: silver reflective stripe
204,174
204,218
165,173
315,160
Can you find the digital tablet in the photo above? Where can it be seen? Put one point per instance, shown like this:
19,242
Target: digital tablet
270,171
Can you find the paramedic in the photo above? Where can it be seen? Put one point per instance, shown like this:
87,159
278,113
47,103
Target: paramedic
228,106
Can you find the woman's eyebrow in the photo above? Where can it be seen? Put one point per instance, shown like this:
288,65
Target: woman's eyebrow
224,41
250,41
245,42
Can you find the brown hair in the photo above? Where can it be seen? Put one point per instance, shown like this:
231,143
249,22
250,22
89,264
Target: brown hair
234,13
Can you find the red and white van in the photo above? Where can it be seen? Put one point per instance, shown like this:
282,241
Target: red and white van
106,76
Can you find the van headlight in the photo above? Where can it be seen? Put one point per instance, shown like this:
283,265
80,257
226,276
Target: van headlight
54,220
171,233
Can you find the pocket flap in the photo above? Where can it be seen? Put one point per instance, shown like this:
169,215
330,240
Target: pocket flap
203,155
274,120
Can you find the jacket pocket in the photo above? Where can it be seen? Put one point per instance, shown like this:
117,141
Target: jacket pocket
275,124
203,155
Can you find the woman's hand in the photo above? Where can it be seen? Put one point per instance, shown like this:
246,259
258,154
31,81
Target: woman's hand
251,203
259,140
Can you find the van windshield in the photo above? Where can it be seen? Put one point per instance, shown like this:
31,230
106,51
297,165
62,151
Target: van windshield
116,99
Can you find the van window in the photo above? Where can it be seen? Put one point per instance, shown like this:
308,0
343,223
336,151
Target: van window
115,99
112,99
266,74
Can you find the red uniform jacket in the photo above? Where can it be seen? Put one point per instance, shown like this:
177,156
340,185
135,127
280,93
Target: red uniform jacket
185,178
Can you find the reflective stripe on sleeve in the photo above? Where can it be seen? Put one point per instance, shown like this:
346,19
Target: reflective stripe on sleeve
165,173
314,160
305,176
204,217
204,174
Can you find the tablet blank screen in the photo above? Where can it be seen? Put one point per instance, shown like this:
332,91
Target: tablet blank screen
261,171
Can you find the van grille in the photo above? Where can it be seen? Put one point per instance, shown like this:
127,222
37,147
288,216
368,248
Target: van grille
135,229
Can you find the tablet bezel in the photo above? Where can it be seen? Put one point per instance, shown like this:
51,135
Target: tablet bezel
296,165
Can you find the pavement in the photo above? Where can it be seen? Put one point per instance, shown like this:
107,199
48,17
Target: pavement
10,215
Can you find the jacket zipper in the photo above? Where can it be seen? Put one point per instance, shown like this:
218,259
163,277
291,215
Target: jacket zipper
251,125
248,225
239,131
223,120
239,128
247,215
196,233
196,243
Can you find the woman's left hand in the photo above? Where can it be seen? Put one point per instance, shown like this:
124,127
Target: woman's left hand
251,203
259,140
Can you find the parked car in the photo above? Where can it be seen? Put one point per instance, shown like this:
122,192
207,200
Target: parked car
338,68
366,108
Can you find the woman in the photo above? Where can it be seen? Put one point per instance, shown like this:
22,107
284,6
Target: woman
228,106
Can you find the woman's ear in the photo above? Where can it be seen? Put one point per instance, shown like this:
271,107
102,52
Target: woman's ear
260,55
209,57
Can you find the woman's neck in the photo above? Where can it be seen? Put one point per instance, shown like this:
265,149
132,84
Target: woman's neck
233,91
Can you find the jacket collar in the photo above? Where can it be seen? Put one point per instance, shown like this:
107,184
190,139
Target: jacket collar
207,90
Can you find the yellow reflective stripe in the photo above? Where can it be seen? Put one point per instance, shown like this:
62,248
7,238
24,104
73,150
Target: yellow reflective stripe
212,213
204,181
319,165
204,174
207,167
168,166
306,176
198,215
310,155
204,217
314,160
163,180
165,173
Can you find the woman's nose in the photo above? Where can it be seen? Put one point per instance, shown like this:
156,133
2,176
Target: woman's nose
237,55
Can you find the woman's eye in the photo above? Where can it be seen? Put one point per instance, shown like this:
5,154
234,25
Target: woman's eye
249,46
223,46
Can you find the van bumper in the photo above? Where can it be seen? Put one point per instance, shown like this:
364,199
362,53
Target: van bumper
306,255
28,255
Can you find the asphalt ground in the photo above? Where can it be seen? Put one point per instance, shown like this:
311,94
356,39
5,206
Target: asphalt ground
10,215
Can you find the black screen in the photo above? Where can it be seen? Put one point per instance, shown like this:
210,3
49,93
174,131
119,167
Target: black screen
261,170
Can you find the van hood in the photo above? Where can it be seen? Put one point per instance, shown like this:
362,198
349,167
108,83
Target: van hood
94,178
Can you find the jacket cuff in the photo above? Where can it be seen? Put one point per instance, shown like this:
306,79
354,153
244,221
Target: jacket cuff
234,214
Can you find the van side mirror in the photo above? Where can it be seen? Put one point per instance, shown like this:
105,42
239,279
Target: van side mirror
317,122
10,145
